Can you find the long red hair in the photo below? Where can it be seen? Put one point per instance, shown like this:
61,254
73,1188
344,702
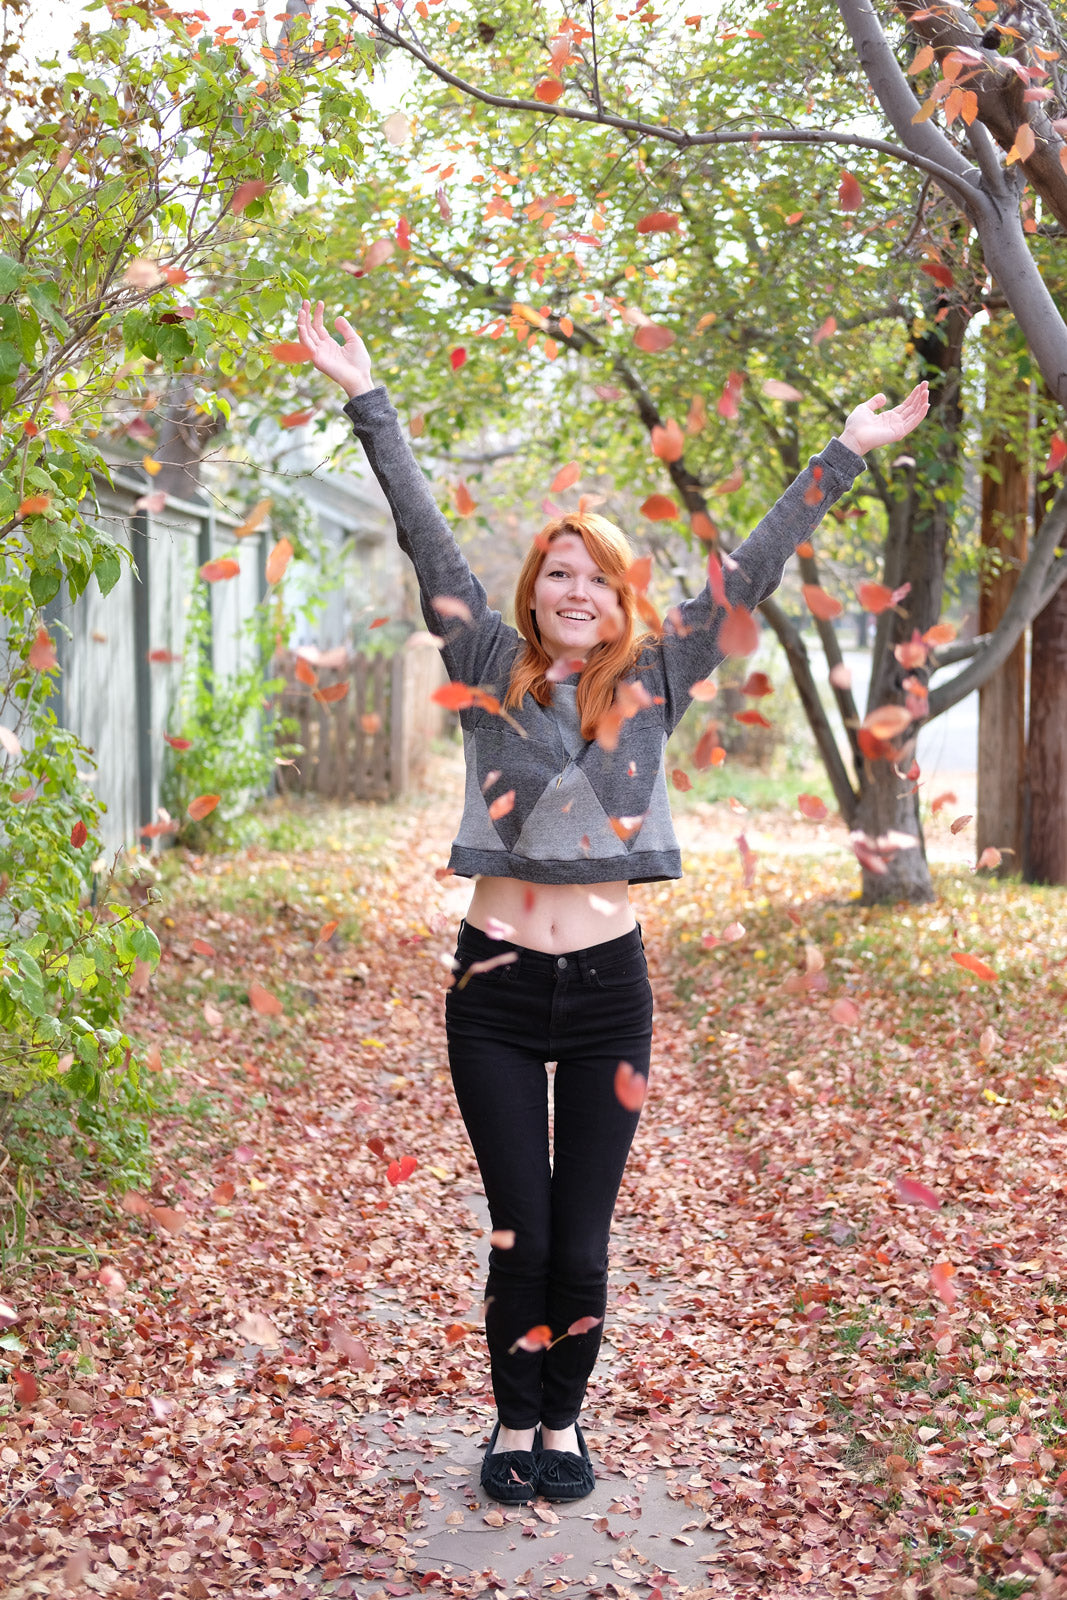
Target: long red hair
608,661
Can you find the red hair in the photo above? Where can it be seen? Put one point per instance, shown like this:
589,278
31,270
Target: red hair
608,661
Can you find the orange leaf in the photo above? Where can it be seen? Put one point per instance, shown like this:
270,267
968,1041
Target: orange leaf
202,806
583,1325
502,805
42,656
939,273
874,597
849,193
821,604
290,352
941,1275
703,527
296,419
703,689
738,635
708,752
538,1338
652,338
1056,456
278,560
222,1193
215,571
639,573
923,58
659,508
825,330
916,1193
659,222
752,719
940,633
168,1218
681,780
668,442
305,672
327,931
548,91
246,192
334,691
453,696
812,807
805,548
1023,148
34,505
885,722
464,501
262,1001
972,963
255,517
631,1086
566,477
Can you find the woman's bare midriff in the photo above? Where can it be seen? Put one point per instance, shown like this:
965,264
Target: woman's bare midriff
554,917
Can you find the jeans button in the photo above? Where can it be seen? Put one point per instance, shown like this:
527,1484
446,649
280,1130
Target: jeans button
562,964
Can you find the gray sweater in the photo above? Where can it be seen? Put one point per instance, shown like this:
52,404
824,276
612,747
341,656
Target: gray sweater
568,790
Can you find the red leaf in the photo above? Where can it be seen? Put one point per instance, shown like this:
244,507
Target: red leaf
941,1275
167,656
738,635
222,1193
1056,456
812,807
565,477
201,947
398,1171
457,357
825,330
26,1390
215,571
203,805
751,719
939,272
177,743
659,222
681,780
709,753
332,692
502,805
886,722
453,696
715,581
583,1325
756,685
659,508
262,1001
278,560
668,442
631,1086
916,1193
849,193
353,1349
78,835
972,963
652,338
290,352
42,656
455,1332
296,419
376,1146
403,234
246,192
639,573
821,604
728,401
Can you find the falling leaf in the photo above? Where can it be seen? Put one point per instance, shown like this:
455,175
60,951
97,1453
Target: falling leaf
752,718
681,780
212,1015
990,857
631,1086
811,806
202,806
548,91
566,477
916,1193
940,633
501,805
958,825
262,1001
78,834
652,338
170,1220
296,419
536,1338
659,222
749,858
1056,456
34,505
775,389
245,193
705,689
376,253
354,1350
153,503
973,964
278,560
757,685
217,571
668,442
738,635
583,1325
254,519
849,193
659,508
399,1171
886,722
874,597
143,274
941,1275
10,741
939,273
502,1238
331,693
825,330
845,1012
821,605
396,128
732,932
457,357
728,405
223,1193
290,353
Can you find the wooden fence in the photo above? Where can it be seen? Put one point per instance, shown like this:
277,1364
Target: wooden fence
368,741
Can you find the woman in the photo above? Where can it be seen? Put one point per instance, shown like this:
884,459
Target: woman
566,806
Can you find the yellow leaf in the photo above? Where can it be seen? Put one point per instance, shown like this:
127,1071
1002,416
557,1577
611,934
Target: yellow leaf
151,466
925,111
256,1184
442,1173
376,1044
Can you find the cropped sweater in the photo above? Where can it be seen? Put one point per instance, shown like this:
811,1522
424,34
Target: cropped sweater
568,790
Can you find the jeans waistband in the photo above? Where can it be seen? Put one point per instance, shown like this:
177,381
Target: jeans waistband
475,945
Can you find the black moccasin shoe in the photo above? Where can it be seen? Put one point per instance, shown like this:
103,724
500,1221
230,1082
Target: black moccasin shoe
561,1475
509,1475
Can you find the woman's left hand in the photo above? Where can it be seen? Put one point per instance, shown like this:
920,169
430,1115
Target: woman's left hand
869,426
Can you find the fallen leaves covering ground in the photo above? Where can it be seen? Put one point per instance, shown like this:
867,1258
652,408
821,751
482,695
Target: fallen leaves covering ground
855,1232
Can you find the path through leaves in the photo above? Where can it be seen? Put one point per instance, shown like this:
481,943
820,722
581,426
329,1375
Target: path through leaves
834,1357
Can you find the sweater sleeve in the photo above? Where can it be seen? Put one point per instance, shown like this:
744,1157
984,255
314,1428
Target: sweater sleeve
690,649
426,538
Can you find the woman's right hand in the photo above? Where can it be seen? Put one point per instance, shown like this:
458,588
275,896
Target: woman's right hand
347,364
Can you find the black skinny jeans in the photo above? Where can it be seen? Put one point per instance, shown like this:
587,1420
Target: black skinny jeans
587,1011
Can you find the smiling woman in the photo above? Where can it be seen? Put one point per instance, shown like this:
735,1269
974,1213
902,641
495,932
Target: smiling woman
565,718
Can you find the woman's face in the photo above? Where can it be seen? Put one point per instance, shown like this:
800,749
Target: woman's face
572,599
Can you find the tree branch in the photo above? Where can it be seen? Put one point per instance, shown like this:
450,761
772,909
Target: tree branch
796,653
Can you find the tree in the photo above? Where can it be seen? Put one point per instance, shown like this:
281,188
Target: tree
995,161
136,174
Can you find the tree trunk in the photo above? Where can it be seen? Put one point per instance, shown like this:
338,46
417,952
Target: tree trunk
1046,845
919,527
1002,699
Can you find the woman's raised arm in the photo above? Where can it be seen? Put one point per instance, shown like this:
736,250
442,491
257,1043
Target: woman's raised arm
423,533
